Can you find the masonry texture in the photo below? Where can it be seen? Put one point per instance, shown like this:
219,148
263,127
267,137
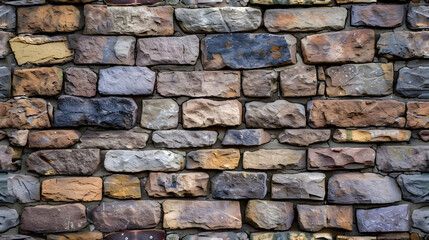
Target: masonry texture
214,119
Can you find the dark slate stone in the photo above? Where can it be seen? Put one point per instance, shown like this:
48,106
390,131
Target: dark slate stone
413,82
246,137
418,17
403,45
239,185
247,51
18,187
377,15
5,83
5,194
109,112
7,17
384,219
402,158
414,187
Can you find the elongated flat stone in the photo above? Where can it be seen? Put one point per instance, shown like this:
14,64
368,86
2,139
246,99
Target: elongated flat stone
239,185
403,158
223,84
72,189
5,84
414,187
183,138
121,80
374,15
305,19
53,138
370,79
103,49
121,215
291,235
220,159
209,215
200,113
109,112
356,113
304,137
314,218
247,50
45,81
136,20
298,186
403,45
177,184
246,137
138,161
259,83
7,17
122,186
290,2
417,115
362,188
274,159
418,17
384,219
41,50
27,113
355,46
160,114
298,81
168,50
340,158
373,135
219,20
74,236
132,2
269,214
413,82
115,139
64,162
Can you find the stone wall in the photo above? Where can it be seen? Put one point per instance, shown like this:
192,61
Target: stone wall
214,119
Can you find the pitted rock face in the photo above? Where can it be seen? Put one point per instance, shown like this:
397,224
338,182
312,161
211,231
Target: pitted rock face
413,82
375,15
274,159
402,158
403,45
418,17
340,158
80,82
414,187
7,17
239,185
46,81
114,139
269,214
121,80
4,43
384,219
26,113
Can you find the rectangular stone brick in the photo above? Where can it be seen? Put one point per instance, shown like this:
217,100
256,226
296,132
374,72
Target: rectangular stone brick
220,159
269,214
76,236
298,186
114,139
413,82
4,43
417,115
46,81
53,138
298,81
223,84
237,50
277,114
414,187
290,235
72,189
384,219
239,185
259,83
373,135
7,17
135,20
290,2
81,82
5,83
403,45
200,113
160,114
246,137
183,138
417,17
122,186
274,159
305,19
402,158
356,113
29,113
355,46
126,80
177,184
304,137
314,218
375,15
340,158
209,215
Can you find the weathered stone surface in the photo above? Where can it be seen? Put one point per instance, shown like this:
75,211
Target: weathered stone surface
103,49
356,46
246,137
7,17
424,135
10,218
6,161
340,158
200,113
372,135
403,158
209,215
53,138
355,1
29,113
132,2
291,235
305,19
356,113
136,20
239,185
304,137
288,2
122,186
80,82
339,237
223,84
46,81
18,137
419,217
259,83
160,114
4,42
362,188
418,17
24,188
314,218
138,161
298,186
217,235
413,82
277,114
75,236
219,20
417,115
115,139
247,50
121,215
414,187
298,81
183,138
72,189
121,80
48,18
370,79
68,218
41,50
6,191
374,15
219,159
384,219
15,237
269,214
168,50
403,45
5,83
274,159
177,184
64,162
109,112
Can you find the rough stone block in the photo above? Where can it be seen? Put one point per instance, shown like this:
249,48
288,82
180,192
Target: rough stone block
418,17
177,184
183,138
122,80
298,81
72,189
413,82
7,17
259,83
384,219
26,113
19,188
219,159
122,186
403,45
414,187
340,158
274,159
314,218
269,214
6,161
10,218
417,115
45,81
377,15
4,43
74,236
298,186
160,114
53,138
290,2
18,138
246,137
115,139
402,158
239,185
80,82
372,135
420,217
304,137
5,83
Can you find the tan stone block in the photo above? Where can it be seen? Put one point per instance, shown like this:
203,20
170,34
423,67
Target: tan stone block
220,159
72,189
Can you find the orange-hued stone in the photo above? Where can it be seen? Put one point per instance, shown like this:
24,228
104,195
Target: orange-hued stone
222,159
46,81
53,138
72,189
122,186
417,115
76,236
30,113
